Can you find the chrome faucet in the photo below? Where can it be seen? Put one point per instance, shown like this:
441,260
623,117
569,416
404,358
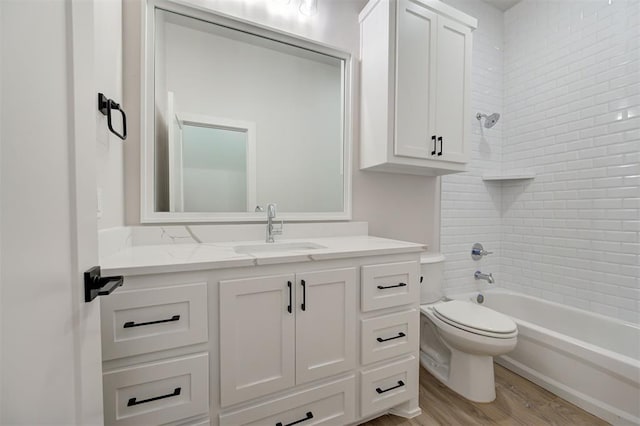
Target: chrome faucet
487,277
271,228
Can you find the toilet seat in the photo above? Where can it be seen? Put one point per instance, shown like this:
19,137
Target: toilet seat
475,319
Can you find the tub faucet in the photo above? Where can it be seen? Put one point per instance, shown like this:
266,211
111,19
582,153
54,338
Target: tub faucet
271,228
487,277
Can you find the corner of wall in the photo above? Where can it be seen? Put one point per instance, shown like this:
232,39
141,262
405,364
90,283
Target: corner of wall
471,208
2,419
133,57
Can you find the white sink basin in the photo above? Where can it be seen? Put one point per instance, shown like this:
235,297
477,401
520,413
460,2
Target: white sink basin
277,247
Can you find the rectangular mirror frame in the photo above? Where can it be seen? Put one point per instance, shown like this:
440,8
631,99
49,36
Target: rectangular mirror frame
147,174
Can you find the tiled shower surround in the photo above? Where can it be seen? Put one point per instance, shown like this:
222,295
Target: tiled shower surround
571,114
471,207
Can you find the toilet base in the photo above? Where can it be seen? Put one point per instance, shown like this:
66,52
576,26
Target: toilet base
460,359
470,376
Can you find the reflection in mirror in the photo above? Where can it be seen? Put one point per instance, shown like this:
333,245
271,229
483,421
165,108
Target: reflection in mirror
242,120
211,163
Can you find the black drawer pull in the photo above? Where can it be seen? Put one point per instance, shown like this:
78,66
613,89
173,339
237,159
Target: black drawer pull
289,307
132,401
380,339
433,138
382,287
308,417
399,385
303,306
130,324
440,140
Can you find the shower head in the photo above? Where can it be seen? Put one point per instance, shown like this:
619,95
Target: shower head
490,120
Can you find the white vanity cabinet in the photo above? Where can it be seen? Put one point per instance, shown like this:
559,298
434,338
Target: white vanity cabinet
285,330
389,337
325,339
281,333
415,87
154,350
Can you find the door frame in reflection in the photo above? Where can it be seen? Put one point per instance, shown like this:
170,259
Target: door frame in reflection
176,177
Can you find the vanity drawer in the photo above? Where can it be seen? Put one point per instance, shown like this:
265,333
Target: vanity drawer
330,404
141,321
390,335
387,386
157,393
389,284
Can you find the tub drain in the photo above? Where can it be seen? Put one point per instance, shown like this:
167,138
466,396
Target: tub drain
480,298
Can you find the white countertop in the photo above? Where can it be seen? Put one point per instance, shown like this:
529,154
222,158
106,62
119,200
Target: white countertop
151,259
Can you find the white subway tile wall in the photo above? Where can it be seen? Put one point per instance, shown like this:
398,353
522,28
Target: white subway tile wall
571,114
470,207
566,77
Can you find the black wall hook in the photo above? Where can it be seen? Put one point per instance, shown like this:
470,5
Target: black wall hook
105,106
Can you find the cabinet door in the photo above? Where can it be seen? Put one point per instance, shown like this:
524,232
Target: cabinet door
453,88
325,323
257,347
415,81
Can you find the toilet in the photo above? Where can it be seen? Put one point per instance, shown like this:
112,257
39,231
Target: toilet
459,338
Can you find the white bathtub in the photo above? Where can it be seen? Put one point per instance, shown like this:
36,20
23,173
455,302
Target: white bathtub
588,359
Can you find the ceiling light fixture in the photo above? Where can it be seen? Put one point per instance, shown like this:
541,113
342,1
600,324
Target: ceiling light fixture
309,7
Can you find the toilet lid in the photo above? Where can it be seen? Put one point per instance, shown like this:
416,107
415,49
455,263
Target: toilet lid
476,317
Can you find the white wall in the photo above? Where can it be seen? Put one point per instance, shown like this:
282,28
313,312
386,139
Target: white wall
471,207
396,206
572,106
1,204
46,197
108,69
41,169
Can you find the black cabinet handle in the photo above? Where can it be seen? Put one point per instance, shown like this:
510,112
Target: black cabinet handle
130,324
382,287
106,105
399,385
380,339
309,416
433,138
290,296
132,401
96,285
440,140
304,295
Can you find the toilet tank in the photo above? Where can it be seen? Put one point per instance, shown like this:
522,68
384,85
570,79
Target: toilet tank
431,277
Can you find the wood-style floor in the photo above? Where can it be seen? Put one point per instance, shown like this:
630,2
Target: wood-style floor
518,402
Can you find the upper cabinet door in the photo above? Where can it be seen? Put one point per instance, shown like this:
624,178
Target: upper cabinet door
257,337
453,88
415,80
415,87
325,323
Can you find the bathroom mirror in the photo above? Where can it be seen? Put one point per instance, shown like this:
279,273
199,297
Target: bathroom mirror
238,116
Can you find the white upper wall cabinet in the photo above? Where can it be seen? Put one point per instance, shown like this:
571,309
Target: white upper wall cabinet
416,83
